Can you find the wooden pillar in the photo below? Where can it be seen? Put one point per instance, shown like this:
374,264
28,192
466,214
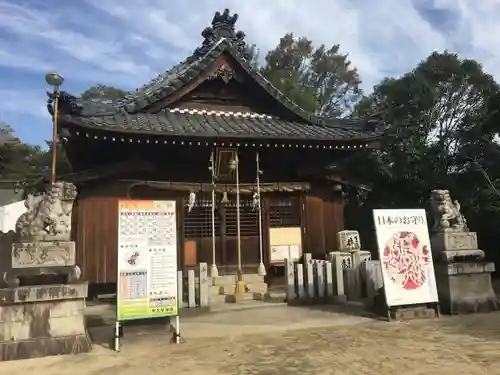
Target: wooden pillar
265,234
180,232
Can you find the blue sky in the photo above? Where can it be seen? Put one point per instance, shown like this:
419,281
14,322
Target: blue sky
125,43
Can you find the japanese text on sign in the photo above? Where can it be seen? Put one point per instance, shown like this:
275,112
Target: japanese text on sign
400,220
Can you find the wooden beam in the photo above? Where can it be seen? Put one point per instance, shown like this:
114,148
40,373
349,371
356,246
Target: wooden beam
245,188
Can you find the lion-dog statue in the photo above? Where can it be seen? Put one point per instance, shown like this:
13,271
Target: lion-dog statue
446,212
49,215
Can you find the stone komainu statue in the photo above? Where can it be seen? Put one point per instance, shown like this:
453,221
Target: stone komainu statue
49,215
446,212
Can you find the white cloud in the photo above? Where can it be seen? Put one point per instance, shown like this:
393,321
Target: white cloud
19,101
127,42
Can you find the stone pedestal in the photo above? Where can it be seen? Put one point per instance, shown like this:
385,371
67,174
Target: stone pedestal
449,246
465,287
463,278
32,258
39,321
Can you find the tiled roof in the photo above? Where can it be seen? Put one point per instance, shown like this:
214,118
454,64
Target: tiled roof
212,124
221,37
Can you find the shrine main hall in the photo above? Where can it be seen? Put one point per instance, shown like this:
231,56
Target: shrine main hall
209,133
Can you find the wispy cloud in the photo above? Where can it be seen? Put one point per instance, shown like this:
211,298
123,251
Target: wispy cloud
127,42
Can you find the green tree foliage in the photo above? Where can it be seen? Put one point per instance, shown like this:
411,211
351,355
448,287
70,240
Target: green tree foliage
30,165
319,79
19,162
442,118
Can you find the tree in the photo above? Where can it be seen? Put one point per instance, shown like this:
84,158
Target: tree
439,115
319,79
28,165
20,162
441,119
100,91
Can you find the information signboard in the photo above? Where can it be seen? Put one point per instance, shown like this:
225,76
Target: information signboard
147,259
405,255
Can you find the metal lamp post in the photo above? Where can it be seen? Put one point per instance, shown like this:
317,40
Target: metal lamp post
55,80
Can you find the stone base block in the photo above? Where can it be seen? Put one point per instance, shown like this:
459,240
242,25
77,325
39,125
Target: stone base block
411,313
465,287
451,256
454,240
43,347
235,298
43,320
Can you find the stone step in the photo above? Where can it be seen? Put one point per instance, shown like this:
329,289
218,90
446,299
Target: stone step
231,279
270,297
257,287
410,313
231,298
229,288
216,299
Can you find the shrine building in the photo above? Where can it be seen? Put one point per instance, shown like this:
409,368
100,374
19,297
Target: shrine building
159,142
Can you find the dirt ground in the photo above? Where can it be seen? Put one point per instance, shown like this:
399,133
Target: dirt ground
265,339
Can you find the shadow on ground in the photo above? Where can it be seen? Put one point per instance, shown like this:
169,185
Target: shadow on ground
483,326
348,309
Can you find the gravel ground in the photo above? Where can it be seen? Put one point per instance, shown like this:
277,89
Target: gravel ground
267,339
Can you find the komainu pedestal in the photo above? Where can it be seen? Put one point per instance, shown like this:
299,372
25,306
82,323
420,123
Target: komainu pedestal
465,287
43,320
38,317
463,277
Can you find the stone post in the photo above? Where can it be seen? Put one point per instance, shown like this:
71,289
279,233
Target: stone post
349,242
338,260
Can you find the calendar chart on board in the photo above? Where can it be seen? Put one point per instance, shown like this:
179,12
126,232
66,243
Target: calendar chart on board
147,259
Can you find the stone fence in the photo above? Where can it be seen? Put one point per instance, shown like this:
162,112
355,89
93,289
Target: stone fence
372,279
192,287
337,279
344,277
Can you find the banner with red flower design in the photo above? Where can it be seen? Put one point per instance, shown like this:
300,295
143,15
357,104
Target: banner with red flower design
405,256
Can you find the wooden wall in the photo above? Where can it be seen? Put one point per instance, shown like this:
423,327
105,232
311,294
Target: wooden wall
323,219
95,228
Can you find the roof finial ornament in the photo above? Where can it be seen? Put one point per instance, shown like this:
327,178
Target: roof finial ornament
223,27
223,24
68,104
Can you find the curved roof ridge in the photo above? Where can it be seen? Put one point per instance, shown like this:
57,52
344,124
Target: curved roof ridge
219,38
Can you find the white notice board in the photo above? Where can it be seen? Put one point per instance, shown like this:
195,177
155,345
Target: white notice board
406,257
147,259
